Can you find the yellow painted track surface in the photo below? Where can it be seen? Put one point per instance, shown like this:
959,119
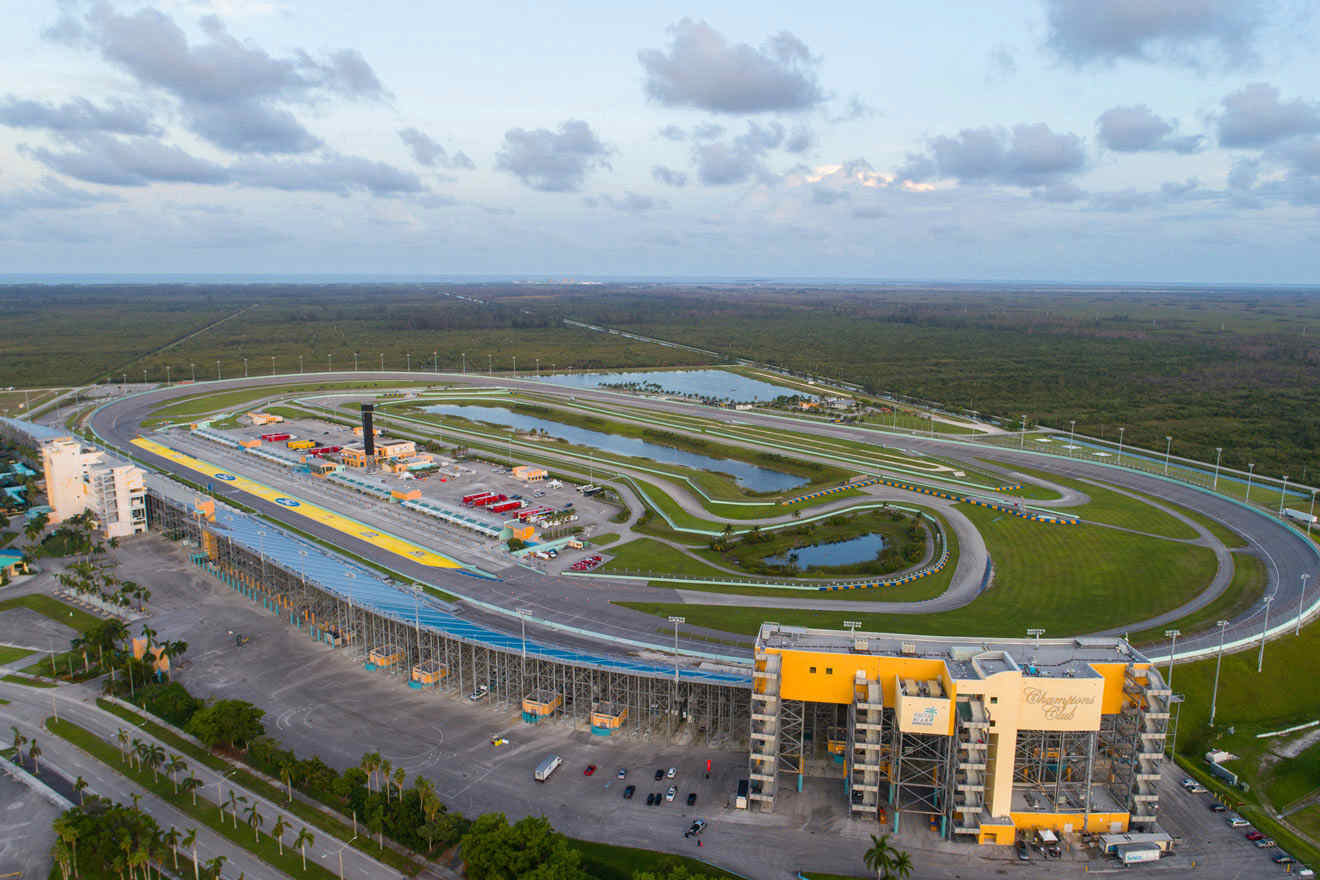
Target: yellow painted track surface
383,540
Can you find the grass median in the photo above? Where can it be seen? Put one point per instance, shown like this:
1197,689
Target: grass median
308,813
52,608
263,846
1243,591
10,654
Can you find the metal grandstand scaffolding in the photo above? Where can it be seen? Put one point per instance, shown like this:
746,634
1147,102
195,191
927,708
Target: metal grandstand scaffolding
704,706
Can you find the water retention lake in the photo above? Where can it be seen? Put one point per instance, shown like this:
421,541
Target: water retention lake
749,476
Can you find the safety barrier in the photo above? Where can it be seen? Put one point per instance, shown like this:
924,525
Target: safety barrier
952,496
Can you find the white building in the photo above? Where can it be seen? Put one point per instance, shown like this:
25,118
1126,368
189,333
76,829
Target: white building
78,479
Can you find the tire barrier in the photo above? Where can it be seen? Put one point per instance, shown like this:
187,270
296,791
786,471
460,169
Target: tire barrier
871,481
1053,519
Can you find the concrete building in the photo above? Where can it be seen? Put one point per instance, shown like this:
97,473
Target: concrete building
79,479
981,739
257,419
528,473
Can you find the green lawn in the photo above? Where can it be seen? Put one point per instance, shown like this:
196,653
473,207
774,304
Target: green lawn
651,556
206,811
1068,579
602,861
1246,588
9,655
52,608
201,404
603,539
311,815
30,682
1118,509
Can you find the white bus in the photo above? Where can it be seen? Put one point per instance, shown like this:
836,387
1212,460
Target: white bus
546,768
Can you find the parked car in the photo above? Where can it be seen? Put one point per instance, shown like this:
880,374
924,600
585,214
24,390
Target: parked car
479,694
1282,858
671,772
659,774
692,798
659,799
1255,835
1265,843
622,774
591,768
1217,807
1236,821
695,828
650,799
629,792
669,794
1023,851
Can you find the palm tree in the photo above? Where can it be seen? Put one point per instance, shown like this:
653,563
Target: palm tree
34,755
19,738
277,831
232,803
213,867
174,765
190,842
256,820
68,835
154,757
301,842
80,785
121,737
386,768
190,785
888,862
399,777
171,839
286,776
63,858
138,748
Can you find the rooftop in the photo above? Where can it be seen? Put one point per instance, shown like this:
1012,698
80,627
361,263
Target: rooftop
966,657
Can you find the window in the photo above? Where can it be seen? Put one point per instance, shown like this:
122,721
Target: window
994,700
829,670
811,669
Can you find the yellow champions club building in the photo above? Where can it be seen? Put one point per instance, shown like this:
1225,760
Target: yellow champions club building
978,739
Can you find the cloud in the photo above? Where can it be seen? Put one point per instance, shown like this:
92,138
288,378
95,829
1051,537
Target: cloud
78,114
1026,155
669,176
870,212
707,131
633,203
1000,65
673,133
800,140
332,174
552,161
720,163
824,195
702,69
52,195
1059,193
100,158
232,93
430,153
1255,117
1192,33
855,109
1137,129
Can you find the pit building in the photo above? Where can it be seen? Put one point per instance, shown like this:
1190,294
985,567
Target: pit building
980,740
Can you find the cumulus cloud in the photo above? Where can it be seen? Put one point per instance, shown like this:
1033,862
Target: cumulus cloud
1255,117
76,115
634,203
1001,64
1059,193
1187,32
702,69
1138,128
673,133
720,163
799,140
333,173
1026,155
137,161
856,108
552,161
669,176
430,153
51,195
232,93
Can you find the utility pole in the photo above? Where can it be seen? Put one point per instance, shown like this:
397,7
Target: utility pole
1022,438
245,372
1301,602
538,368
409,357
676,621
382,361
355,361
1283,493
1172,635
463,355
300,364
167,385
1219,452
1168,448
490,364
1120,444
1072,436
1219,660
1251,469
515,366
272,365
1265,628
329,363
217,369
194,372
435,361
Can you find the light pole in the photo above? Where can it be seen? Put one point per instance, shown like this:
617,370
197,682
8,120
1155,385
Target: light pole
523,614
382,361
1282,493
1301,602
1072,436
1251,470
329,363
1173,644
1022,438
1176,699
676,621
272,365
435,361
1219,452
1309,520
463,355
167,384
1219,660
217,369
300,364
1120,444
538,368
1168,448
515,366
408,355
194,372
355,361
1265,627
1037,632
490,365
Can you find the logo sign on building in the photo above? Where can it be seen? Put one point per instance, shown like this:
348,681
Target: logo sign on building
286,502
1061,704
925,717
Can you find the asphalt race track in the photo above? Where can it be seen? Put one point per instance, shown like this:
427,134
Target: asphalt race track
569,604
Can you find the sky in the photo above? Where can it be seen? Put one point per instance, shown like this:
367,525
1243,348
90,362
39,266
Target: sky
1065,140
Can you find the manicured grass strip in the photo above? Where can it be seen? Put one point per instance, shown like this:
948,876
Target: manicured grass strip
9,654
602,861
1246,588
650,555
602,540
1068,579
304,811
30,682
1117,509
52,608
206,811
200,404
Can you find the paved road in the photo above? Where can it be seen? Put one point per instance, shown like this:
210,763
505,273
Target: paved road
1286,554
29,707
